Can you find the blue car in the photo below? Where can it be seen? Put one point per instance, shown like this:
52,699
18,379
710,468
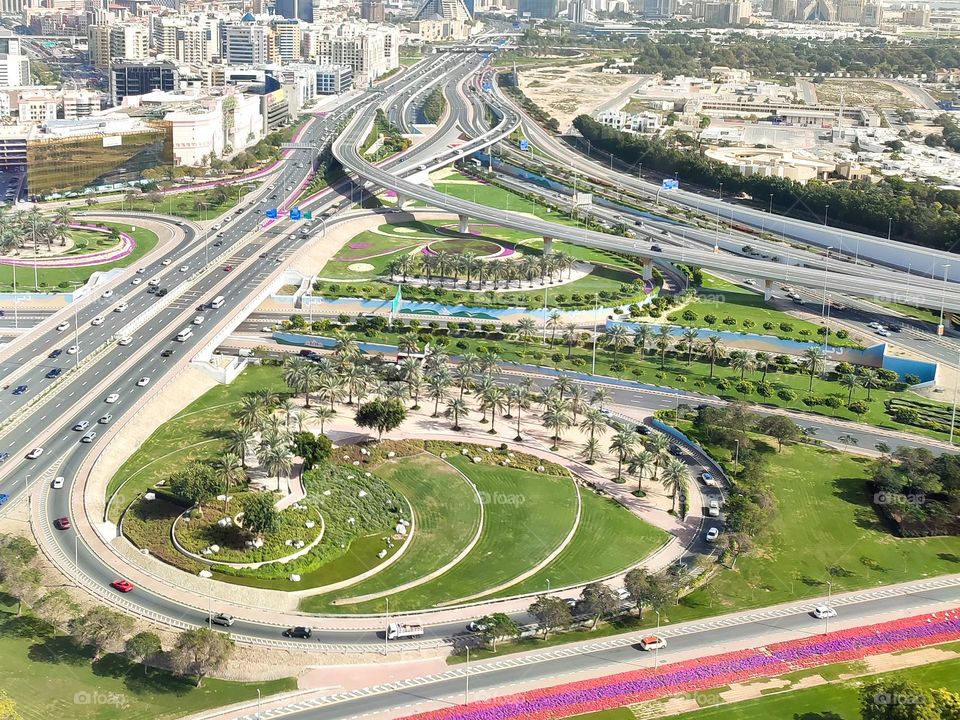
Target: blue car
20,390
3,498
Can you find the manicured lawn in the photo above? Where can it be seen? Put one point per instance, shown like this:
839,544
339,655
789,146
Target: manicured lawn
49,279
48,676
608,540
193,434
927,314
825,530
446,516
185,204
840,701
527,516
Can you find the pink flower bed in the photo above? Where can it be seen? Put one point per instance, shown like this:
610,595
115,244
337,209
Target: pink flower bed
622,689
359,245
126,246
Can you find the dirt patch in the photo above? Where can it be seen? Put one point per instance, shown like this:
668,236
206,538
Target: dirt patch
566,92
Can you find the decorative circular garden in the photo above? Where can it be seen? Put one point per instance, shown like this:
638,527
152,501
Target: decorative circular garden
482,248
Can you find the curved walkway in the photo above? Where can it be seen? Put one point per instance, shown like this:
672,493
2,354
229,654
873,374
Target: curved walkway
125,246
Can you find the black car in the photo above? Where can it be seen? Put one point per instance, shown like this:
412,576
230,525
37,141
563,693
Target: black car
55,354
151,290
643,429
20,390
4,456
166,353
298,632
218,243
263,255
676,451
161,292
54,372
656,248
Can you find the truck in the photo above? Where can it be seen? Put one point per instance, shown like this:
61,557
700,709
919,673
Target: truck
403,631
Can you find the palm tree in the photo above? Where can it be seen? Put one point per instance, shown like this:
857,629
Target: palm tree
674,479
554,322
622,443
812,360
463,374
492,400
288,406
561,386
851,382
641,339
251,412
762,361
295,376
594,423
590,449
689,337
578,395
323,414
520,397
616,339
231,471
437,384
571,337
238,441
456,408
600,397
659,445
279,460
713,350
740,360
662,341
870,380
329,388
526,331
556,417
639,463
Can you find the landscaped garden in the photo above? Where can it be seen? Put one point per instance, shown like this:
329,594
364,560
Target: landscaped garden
197,205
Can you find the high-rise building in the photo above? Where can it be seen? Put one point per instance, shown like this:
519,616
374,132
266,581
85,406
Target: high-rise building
659,8
451,10
723,12
372,11
918,15
14,64
139,78
576,10
193,41
295,9
545,9
872,15
248,43
107,42
287,38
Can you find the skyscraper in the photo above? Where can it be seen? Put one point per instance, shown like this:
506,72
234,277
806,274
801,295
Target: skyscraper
372,11
296,9
546,9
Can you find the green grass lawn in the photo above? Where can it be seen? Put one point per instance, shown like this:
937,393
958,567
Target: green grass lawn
826,530
49,279
518,532
838,701
190,204
609,539
926,314
49,676
446,515
193,434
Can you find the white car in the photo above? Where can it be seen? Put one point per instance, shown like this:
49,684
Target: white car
142,382
874,325
112,397
713,509
154,282
72,350
89,437
35,453
822,612
184,268
58,482
136,281
653,642
107,293
125,341
141,271
98,320
166,261
883,333
62,326
105,419
708,479
121,307
198,320
712,535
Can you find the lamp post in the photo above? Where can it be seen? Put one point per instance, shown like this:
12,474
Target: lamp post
736,458
826,270
825,210
943,291
956,384
826,620
258,703
596,302
889,227
466,677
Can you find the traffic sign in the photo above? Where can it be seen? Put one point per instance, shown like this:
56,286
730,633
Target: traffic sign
308,215
272,213
669,184
525,145
488,86
295,214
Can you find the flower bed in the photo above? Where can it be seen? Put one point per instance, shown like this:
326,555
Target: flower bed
704,673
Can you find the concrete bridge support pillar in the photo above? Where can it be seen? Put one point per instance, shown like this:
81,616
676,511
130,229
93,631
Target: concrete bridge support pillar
767,290
547,245
464,224
648,268
401,200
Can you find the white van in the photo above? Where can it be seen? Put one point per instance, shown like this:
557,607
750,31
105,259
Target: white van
218,302
184,334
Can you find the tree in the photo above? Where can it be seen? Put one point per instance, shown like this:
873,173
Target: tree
496,627
57,608
196,483
599,600
779,427
946,702
324,414
312,448
24,585
623,442
492,399
812,360
851,382
858,407
238,443
201,651
616,339
896,699
556,418
551,613
740,360
639,463
144,647
260,514
101,628
674,479
594,422
870,379
646,589
689,341
456,408
382,415
713,350
438,383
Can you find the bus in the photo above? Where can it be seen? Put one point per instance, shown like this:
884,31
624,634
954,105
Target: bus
218,302
184,334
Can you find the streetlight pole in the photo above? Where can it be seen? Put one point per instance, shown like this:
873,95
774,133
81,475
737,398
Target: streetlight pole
826,270
943,291
466,690
596,301
736,458
889,227
956,384
258,703
825,209
826,620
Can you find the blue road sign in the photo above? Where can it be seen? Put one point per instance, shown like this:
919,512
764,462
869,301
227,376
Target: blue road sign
295,214
669,184
272,213
525,145
488,87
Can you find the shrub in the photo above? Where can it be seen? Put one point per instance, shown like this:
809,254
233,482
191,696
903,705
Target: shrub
710,319
729,320
722,383
787,395
786,327
617,366
768,325
748,323
689,315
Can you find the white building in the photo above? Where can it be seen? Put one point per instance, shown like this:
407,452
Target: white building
14,64
368,50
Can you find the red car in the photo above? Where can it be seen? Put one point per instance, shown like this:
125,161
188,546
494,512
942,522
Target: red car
62,523
122,585
228,268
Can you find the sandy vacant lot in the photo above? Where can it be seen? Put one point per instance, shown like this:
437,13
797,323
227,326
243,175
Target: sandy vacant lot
868,93
566,92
